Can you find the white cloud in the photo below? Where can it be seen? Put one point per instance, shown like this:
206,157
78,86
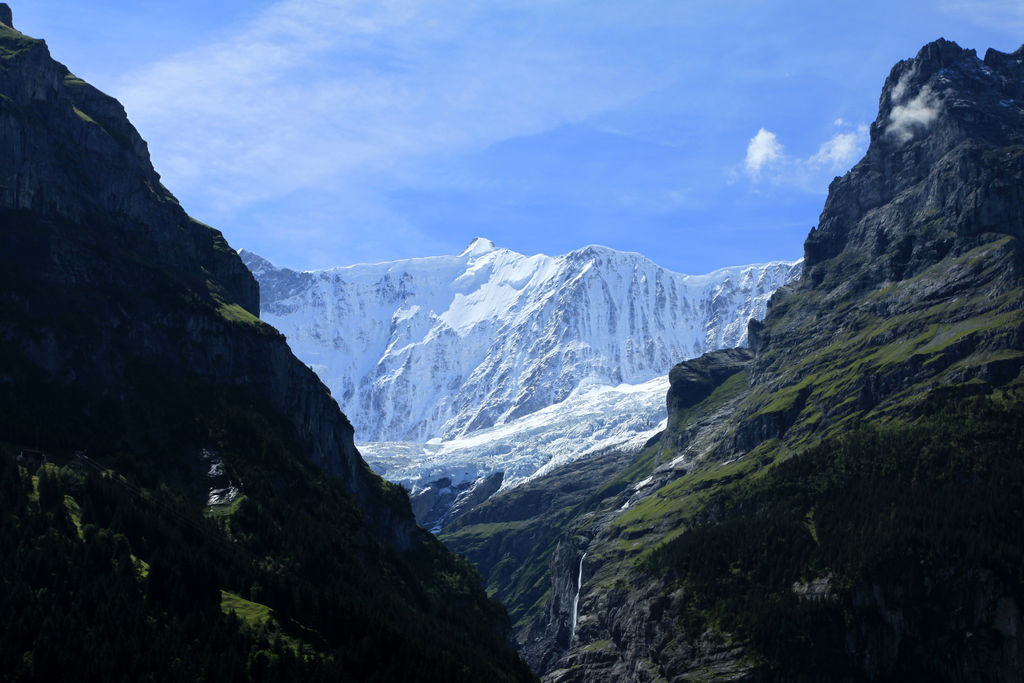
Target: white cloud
841,150
898,90
763,149
917,113
766,160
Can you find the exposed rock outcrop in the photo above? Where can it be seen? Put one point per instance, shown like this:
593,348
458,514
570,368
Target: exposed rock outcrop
434,504
943,168
693,381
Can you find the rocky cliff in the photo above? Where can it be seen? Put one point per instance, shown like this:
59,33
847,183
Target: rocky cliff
839,503
129,332
140,287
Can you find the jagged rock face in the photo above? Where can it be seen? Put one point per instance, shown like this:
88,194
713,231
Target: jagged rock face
127,331
69,153
693,381
435,503
944,167
497,335
922,238
515,562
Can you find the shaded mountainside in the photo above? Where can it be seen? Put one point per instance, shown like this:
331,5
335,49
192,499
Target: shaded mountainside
203,511
843,501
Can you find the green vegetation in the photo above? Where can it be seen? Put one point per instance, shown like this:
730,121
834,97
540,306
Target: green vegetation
76,604
933,342
729,389
927,505
139,577
481,532
13,43
226,510
598,646
253,614
82,115
149,360
233,312
236,314
514,555
73,81
671,508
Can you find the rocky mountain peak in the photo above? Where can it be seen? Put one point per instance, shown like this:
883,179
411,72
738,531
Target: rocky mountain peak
478,247
5,14
1013,60
127,331
89,166
256,263
919,193
922,237
907,317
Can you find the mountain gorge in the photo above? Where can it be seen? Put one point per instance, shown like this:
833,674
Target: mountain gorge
835,494
840,501
181,497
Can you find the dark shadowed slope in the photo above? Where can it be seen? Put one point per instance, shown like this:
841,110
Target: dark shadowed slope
221,523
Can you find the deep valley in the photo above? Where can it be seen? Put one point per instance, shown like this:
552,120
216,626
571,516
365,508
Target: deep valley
581,467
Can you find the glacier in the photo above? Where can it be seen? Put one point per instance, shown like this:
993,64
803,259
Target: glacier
464,365
587,422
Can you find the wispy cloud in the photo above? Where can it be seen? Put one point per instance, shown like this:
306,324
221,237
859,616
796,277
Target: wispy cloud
918,113
315,93
911,115
1002,15
840,151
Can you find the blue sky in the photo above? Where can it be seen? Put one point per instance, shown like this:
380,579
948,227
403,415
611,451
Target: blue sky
321,132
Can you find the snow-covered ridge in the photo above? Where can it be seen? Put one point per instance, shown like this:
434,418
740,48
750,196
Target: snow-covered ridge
444,346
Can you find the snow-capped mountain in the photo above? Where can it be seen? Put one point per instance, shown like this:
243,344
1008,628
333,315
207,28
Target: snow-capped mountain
442,347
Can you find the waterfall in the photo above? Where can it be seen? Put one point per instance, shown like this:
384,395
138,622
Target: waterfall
576,600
